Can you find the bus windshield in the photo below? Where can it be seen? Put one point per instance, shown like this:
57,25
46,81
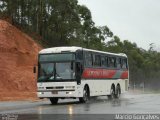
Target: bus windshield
56,71
51,70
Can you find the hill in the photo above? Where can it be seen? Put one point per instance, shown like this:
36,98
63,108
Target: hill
18,55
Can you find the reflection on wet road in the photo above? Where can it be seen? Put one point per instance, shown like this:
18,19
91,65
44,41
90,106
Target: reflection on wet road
128,103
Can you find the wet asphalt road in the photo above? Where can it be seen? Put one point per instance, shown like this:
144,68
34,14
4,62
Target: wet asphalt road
128,103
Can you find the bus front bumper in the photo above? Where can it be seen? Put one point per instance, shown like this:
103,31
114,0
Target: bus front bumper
59,94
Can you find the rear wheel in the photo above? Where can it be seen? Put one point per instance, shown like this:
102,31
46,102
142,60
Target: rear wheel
54,101
85,97
118,92
112,94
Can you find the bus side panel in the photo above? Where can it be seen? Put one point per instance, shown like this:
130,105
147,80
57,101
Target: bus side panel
102,87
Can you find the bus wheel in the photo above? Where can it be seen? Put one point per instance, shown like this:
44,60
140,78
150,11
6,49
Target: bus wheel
118,92
112,94
54,101
85,97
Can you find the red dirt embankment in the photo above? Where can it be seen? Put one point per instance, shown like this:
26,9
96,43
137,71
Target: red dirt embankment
18,54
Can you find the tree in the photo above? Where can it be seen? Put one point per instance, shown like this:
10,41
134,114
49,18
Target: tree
65,22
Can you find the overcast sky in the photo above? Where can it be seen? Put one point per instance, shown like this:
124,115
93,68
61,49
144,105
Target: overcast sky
134,20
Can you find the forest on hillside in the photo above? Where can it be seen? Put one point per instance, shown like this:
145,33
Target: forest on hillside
66,23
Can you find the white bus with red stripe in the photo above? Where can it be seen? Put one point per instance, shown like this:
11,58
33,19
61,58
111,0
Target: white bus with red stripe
75,72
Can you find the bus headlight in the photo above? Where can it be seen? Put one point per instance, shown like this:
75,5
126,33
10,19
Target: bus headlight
40,93
69,93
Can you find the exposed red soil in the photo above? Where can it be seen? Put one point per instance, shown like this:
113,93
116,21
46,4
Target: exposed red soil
18,55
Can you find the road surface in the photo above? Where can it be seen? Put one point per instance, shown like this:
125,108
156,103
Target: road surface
128,104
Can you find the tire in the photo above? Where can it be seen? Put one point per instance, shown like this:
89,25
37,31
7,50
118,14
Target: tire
112,95
54,101
85,97
118,92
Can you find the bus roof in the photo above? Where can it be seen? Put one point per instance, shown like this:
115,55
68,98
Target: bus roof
74,49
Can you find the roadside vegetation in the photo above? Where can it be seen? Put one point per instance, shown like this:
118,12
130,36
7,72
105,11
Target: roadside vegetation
66,23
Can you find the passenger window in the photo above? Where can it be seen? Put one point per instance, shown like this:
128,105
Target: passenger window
104,61
124,63
112,62
79,55
88,59
97,60
119,63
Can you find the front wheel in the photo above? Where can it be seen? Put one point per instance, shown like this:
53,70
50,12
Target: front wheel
54,101
85,97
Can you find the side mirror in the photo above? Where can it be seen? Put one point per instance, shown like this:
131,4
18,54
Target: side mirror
34,69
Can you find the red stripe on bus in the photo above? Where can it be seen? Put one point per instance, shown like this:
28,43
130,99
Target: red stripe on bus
103,73
124,75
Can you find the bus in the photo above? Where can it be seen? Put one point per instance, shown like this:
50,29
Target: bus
76,72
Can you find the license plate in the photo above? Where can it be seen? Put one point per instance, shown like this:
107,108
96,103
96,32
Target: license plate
54,92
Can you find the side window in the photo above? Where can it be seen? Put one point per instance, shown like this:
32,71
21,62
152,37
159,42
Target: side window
119,63
88,59
112,62
124,63
79,55
97,60
104,61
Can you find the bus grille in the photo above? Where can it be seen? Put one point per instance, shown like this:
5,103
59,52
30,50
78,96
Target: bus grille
58,87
